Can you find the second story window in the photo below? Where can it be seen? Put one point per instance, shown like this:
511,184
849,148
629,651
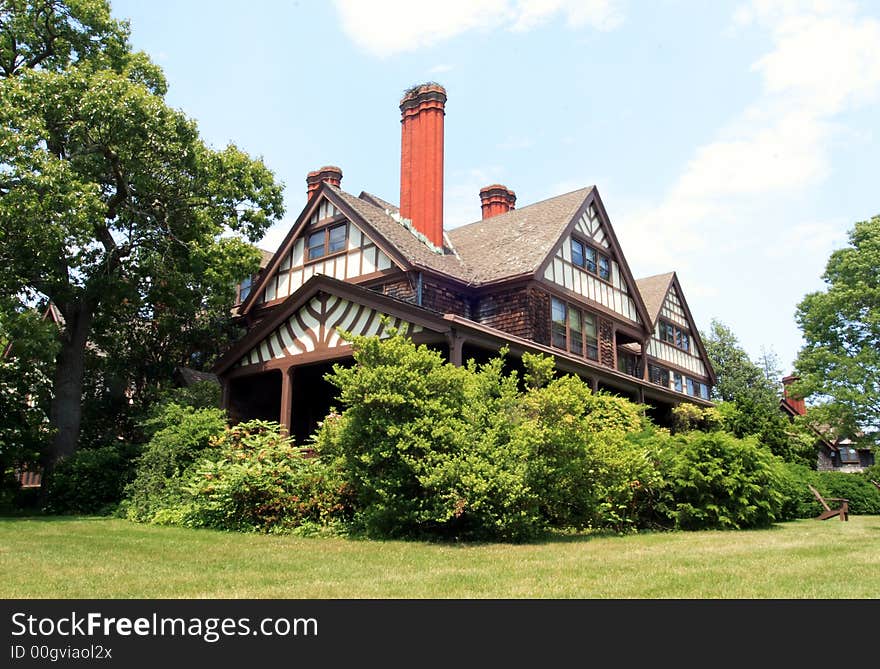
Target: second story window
574,330
326,241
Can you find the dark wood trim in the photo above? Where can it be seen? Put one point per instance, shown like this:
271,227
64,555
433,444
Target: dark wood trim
695,332
365,279
676,368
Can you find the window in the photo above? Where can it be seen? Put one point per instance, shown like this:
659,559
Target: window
591,336
576,331
573,330
848,455
673,334
676,381
326,241
627,363
690,387
590,265
244,288
658,375
604,268
704,391
559,335
577,253
585,256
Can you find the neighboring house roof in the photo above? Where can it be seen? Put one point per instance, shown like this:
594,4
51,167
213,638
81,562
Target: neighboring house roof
187,377
265,257
653,290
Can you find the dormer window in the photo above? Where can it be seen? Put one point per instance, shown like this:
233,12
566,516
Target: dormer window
326,241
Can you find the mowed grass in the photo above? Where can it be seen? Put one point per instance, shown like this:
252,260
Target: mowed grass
83,557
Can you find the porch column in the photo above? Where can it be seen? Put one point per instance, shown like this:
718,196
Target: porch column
645,360
224,393
456,343
641,399
286,413
595,384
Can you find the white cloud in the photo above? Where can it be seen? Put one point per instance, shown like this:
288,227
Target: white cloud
442,67
387,27
824,62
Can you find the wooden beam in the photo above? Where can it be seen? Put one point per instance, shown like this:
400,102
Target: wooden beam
286,411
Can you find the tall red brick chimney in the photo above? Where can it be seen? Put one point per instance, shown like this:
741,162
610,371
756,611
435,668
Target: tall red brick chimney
329,173
796,403
421,159
496,199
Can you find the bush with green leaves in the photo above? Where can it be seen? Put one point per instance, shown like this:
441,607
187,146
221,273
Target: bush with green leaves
179,435
713,480
92,480
253,478
863,497
437,450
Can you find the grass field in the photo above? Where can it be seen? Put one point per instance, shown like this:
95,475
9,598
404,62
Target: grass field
82,557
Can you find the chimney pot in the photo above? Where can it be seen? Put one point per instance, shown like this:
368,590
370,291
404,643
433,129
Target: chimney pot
422,109
496,199
329,173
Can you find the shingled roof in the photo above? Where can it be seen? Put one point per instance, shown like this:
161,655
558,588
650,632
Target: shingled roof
518,241
653,290
507,245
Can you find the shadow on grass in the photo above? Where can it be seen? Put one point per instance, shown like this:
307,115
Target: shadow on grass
48,518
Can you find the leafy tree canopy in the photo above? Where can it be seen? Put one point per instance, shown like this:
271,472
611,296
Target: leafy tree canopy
111,205
840,363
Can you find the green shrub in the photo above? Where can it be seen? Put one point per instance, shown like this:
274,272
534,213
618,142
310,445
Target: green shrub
254,479
716,481
864,498
179,435
92,480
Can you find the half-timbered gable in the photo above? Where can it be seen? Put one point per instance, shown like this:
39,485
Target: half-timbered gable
676,356
317,323
589,263
326,242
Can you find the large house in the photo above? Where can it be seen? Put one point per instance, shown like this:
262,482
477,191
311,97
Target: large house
548,278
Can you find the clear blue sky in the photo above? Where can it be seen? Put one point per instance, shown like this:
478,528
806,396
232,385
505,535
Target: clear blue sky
735,143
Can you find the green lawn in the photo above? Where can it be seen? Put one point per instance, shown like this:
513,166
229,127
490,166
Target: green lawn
83,557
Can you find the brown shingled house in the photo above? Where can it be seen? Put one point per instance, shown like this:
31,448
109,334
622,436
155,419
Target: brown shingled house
549,277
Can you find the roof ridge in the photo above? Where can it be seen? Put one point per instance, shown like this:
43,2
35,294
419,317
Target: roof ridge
520,209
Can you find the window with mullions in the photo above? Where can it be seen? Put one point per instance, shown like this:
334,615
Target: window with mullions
848,455
573,330
658,375
672,334
244,288
677,381
586,257
326,241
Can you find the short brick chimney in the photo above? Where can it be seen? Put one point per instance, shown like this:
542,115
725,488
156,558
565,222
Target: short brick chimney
329,173
797,404
421,159
496,199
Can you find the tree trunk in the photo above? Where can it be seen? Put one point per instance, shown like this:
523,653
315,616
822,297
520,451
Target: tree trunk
66,408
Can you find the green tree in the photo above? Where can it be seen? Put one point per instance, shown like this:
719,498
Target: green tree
27,348
749,396
110,203
839,366
737,375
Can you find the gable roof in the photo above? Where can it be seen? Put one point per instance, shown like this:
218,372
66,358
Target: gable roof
653,290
